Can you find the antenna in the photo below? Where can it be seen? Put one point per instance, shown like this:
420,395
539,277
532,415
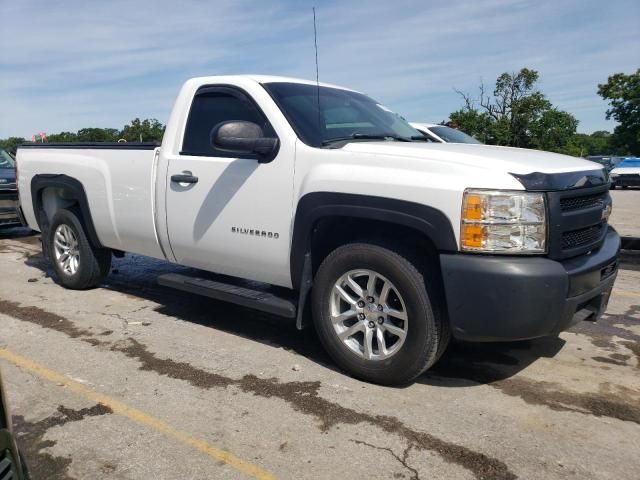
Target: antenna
315,43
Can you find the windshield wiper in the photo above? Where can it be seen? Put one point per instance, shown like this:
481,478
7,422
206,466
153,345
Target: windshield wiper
367,136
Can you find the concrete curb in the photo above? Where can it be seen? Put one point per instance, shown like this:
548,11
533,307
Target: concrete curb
630,243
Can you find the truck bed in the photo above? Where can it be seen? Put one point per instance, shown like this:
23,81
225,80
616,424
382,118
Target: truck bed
120,178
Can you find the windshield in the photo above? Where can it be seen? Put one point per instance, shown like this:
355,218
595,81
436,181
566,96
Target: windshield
451,135
342,115
5,160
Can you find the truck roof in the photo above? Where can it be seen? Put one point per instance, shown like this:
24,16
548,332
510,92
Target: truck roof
262,79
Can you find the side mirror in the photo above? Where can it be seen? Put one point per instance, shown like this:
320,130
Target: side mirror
244,137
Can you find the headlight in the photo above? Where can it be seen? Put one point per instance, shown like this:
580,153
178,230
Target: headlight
496,221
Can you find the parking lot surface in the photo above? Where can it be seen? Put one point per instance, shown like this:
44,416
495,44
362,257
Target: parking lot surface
626,211
136,381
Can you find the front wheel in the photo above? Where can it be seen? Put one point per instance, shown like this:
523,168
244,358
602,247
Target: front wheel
373,314
77,263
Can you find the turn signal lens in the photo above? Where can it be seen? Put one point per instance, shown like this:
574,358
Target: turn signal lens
472,235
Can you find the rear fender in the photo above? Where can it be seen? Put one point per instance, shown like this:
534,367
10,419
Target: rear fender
51,192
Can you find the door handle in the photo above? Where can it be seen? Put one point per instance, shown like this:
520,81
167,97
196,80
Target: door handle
184,178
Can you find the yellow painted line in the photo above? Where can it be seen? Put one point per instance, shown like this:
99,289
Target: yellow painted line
625,293
138,416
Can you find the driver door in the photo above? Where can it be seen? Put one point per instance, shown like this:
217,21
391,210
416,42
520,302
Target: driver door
228,213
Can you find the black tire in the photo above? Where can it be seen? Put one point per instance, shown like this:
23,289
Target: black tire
445,337
420,349
93,263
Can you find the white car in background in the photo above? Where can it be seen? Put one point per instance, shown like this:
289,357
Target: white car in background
443,134
626,174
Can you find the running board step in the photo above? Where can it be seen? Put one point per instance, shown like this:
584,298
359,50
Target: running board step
246,297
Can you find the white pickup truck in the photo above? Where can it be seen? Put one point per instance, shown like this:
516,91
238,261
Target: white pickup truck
394,243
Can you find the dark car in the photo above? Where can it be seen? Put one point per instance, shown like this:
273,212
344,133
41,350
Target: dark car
11,464
9,205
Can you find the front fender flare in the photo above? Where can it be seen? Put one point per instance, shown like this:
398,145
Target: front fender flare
429,221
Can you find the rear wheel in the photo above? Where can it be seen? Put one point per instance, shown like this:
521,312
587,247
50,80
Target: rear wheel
374,316
77,263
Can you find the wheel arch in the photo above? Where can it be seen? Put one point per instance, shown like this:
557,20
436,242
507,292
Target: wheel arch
352,211
51,192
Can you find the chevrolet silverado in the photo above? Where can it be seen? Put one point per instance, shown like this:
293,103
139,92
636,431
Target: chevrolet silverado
338,207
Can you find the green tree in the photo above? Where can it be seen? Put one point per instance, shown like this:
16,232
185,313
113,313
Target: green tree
97,135
623,94
553,131
517,114
10,143
598,143
63,137
147,130
474,123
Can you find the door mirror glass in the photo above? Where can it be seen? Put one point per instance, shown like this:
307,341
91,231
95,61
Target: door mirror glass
243,137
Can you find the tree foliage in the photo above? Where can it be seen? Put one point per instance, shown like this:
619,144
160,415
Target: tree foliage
516,113
147,130
598,143
10,143
623,93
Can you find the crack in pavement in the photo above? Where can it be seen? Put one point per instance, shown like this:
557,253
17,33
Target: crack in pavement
30,437
415,475
304,397
301,396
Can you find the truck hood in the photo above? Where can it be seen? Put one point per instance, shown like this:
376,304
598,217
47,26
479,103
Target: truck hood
504,159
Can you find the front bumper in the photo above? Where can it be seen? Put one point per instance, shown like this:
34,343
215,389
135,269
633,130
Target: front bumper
626,180
500,298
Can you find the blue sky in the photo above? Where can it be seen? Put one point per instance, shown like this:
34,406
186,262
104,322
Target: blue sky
70,64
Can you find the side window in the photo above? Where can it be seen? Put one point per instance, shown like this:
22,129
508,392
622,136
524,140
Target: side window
211,107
